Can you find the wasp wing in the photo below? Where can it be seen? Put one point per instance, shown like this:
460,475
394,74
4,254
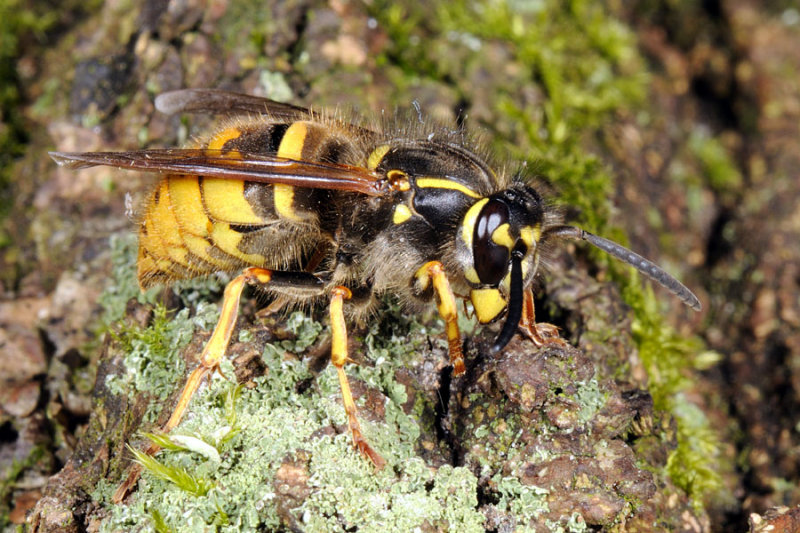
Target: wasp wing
219,102
236,166
215,101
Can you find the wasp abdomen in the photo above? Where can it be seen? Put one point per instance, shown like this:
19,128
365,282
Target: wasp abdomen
195,225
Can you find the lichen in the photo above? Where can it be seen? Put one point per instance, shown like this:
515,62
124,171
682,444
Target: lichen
526,502
274,422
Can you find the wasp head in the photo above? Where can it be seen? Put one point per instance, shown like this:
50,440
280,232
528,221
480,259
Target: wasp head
499,235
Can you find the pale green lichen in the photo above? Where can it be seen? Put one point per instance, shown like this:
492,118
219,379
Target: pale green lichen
526,502
274,423
575,524
590,398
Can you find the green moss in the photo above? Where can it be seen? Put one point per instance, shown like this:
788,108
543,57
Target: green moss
718,168
697,463
178,476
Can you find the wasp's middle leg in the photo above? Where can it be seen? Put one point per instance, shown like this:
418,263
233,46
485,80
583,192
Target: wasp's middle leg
339,358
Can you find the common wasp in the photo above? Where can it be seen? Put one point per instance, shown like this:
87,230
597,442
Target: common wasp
314,209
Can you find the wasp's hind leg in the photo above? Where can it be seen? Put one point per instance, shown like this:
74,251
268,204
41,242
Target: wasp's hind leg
540,333
339,358
215,349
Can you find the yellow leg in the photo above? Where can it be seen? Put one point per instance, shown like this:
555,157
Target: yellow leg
541,333
339,359
218,343
432,272
209,361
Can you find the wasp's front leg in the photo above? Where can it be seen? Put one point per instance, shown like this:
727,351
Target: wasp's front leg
432,275
541,333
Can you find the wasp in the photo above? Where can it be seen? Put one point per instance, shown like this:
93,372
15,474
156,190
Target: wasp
315,209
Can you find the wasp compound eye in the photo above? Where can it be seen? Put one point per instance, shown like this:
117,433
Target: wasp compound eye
489,250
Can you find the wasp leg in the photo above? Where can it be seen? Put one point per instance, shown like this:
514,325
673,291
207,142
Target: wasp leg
540,333
283,300
215,349
432,274
339,359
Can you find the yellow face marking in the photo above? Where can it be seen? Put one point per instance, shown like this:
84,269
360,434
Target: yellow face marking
218,141
488,304
376,156
440,183
530,235
502,236
225,201
472,275
468,226
401,214
291,147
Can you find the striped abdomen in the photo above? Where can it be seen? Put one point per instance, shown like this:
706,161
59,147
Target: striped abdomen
195,225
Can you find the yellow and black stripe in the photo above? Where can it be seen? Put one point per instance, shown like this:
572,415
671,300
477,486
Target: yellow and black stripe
195,225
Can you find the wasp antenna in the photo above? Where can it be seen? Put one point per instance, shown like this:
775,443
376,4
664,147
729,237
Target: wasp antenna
648,268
